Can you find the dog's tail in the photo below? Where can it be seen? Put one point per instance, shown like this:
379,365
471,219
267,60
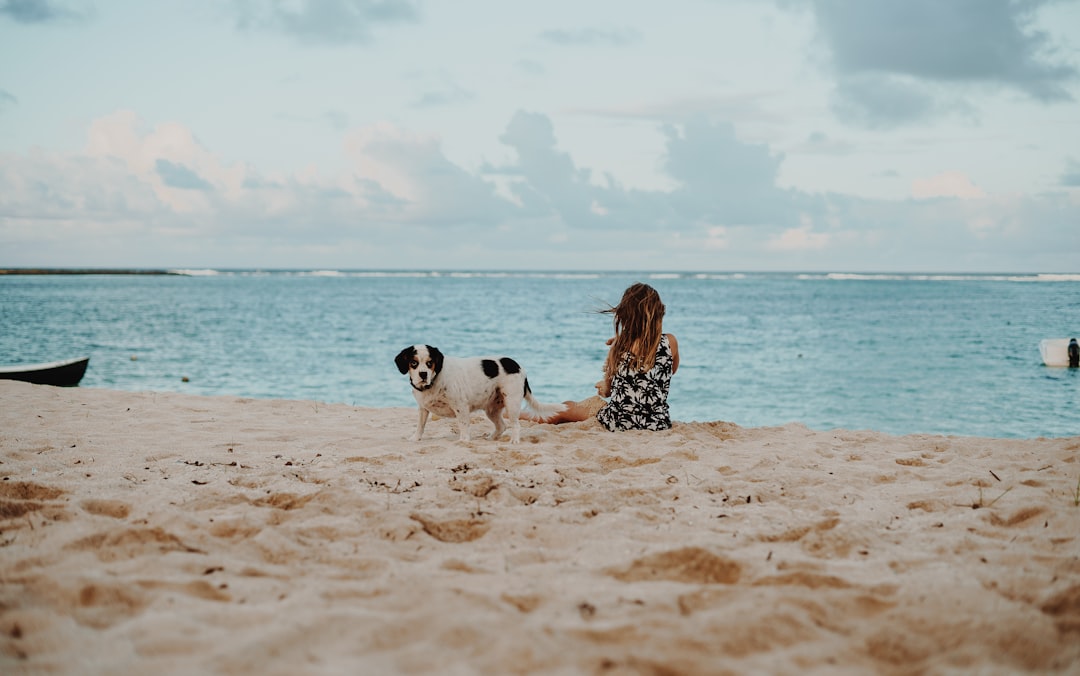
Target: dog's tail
540,409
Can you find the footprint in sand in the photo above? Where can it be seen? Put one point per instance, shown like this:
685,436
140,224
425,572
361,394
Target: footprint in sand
22,497
1017,519
25,490
285,501
692,565
101,604
114,508
479,486
1065,609
452,530
129,543
200,589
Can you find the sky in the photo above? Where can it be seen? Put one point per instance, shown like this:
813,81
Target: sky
686,135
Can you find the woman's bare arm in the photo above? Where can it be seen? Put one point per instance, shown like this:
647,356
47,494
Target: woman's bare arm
674,345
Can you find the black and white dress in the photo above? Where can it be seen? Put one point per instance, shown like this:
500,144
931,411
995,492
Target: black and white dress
639,400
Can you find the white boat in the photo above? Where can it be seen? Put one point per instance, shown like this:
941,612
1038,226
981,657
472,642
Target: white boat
1054,351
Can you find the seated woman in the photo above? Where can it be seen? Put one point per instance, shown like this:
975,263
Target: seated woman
637,371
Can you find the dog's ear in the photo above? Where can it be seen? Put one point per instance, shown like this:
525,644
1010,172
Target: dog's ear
404,357
436,356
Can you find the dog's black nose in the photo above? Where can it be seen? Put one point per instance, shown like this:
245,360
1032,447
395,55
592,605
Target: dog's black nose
423,375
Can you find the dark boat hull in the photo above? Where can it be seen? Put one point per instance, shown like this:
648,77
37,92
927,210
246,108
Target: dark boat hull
60,373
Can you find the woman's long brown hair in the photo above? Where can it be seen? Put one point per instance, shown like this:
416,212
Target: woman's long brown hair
638,320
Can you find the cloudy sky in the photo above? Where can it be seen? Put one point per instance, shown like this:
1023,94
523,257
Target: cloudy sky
832,135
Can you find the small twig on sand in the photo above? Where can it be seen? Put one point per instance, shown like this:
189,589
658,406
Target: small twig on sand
979,504
999,497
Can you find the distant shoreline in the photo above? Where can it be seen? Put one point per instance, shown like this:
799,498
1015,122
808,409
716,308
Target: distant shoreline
653,274
82,271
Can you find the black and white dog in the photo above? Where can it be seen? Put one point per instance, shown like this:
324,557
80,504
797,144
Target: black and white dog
455,387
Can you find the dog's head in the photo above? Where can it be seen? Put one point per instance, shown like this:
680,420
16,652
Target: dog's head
422,363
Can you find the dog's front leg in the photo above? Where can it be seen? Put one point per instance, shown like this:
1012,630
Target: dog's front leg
420,424
463,423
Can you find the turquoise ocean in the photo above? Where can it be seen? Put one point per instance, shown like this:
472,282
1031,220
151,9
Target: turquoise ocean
898,353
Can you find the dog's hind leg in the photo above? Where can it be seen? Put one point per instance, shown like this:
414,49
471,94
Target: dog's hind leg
494,411
512,406
494,414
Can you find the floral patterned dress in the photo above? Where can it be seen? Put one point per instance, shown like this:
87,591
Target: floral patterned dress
639,400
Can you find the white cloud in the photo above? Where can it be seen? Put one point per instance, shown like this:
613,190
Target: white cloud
716,238
406,178
798,239
947,184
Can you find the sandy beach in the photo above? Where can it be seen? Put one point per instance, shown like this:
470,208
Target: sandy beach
173,534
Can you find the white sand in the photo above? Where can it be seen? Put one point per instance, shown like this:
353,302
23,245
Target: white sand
170,534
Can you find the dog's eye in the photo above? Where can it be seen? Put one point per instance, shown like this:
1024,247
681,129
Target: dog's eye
413,364
429,363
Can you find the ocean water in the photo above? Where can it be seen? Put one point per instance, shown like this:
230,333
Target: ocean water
949,354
